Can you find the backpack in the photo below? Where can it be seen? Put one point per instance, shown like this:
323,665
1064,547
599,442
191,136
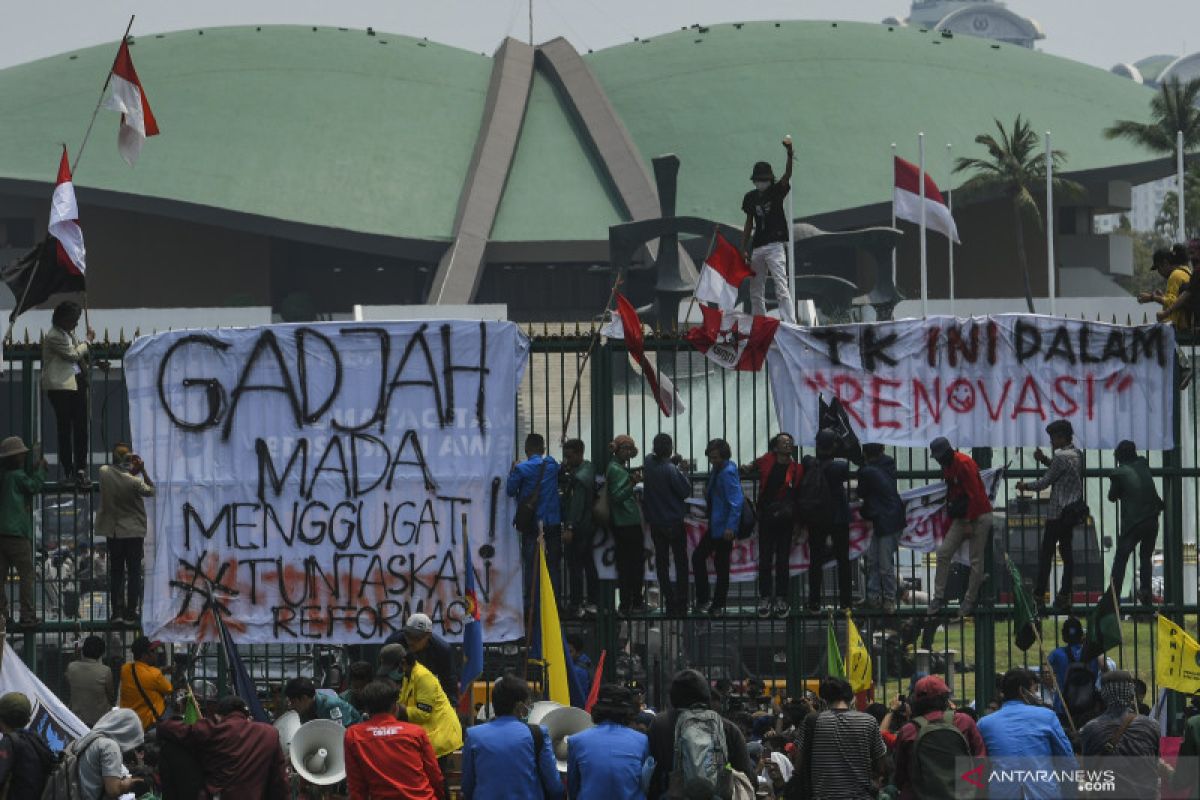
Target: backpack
748,521
939,742
1079,687
45,757
701,765
63,783
814,500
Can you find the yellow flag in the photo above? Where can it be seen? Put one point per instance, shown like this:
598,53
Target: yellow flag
858,658
554,655
1178,664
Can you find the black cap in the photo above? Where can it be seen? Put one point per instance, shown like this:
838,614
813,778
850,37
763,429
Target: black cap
1072,630
762,172
940,448
826,441
1060,427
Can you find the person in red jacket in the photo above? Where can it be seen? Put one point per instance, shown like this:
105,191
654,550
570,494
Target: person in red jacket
778,475
388,758
931,701
970,518
241,758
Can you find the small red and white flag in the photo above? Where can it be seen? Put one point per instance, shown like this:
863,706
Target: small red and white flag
907,200
127,96
723,272
626,324
733,340
64,221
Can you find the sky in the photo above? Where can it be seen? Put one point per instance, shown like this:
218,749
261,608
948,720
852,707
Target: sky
1096,32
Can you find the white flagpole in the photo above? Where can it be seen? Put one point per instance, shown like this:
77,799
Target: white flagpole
924,266
1050,287
950,207
791,251
893,166
1179,182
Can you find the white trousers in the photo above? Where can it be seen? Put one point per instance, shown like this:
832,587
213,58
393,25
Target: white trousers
773,258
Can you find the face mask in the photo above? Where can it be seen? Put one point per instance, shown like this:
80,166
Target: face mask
762,186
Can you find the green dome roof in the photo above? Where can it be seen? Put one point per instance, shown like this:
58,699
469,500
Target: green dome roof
375,134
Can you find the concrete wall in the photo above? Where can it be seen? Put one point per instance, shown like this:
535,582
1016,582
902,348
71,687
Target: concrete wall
140,260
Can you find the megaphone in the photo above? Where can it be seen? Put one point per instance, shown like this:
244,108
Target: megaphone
539,710
318,752
287,725
562,723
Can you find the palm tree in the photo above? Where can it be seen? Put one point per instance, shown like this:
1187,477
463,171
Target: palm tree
1015,168
1174,108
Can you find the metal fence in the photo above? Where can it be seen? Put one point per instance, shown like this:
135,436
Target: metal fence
786,655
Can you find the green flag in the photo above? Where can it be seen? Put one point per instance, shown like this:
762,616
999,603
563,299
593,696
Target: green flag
1104,626
1024,616
191,712
833,654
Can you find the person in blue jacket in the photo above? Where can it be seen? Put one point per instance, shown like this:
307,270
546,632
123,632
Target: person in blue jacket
605,762
725,499
522,482
501,759
1025,735
581,665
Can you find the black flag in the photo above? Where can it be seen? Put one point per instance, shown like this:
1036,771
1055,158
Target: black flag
833,417
38,275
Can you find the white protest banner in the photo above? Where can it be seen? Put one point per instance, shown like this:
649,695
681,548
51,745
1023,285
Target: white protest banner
49,718
925,526
315,477
981,382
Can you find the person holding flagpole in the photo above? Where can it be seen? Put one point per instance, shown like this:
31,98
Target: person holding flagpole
765,236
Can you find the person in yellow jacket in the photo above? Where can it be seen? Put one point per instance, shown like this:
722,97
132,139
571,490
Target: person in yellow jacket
422,697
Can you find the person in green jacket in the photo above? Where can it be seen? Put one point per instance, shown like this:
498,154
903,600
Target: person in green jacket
1133,487
577,482
626,516
21,477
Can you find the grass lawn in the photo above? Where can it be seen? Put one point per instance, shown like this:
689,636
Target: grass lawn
1135,654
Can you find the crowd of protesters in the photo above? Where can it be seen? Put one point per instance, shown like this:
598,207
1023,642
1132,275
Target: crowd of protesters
801,500
402,739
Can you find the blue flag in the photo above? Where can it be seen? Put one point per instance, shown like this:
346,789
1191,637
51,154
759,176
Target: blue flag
472,632
242,686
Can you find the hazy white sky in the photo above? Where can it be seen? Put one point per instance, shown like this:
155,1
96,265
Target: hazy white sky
1098,32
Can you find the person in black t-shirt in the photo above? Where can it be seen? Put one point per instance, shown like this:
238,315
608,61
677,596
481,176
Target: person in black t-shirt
765,251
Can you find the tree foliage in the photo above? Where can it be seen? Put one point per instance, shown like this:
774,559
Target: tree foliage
1015,168
1174,108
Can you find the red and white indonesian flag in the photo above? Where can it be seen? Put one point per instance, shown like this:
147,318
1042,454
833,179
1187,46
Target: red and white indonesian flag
64,221
907,200
734,340
127,96
626,324
722,274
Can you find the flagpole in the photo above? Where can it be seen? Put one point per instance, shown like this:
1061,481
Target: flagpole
950,208
924,265
791,226
587,355
100,102
1179,177
712,243
1051,289
893,210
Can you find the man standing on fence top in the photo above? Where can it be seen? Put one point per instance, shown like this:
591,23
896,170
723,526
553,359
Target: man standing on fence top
970,513
1064,476
122,520
1133,487
534,482
766,251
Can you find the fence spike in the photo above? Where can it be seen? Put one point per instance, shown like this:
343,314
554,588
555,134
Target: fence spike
121,334
1145,321
27,336
1128,320
137,332
1114,318
106,339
